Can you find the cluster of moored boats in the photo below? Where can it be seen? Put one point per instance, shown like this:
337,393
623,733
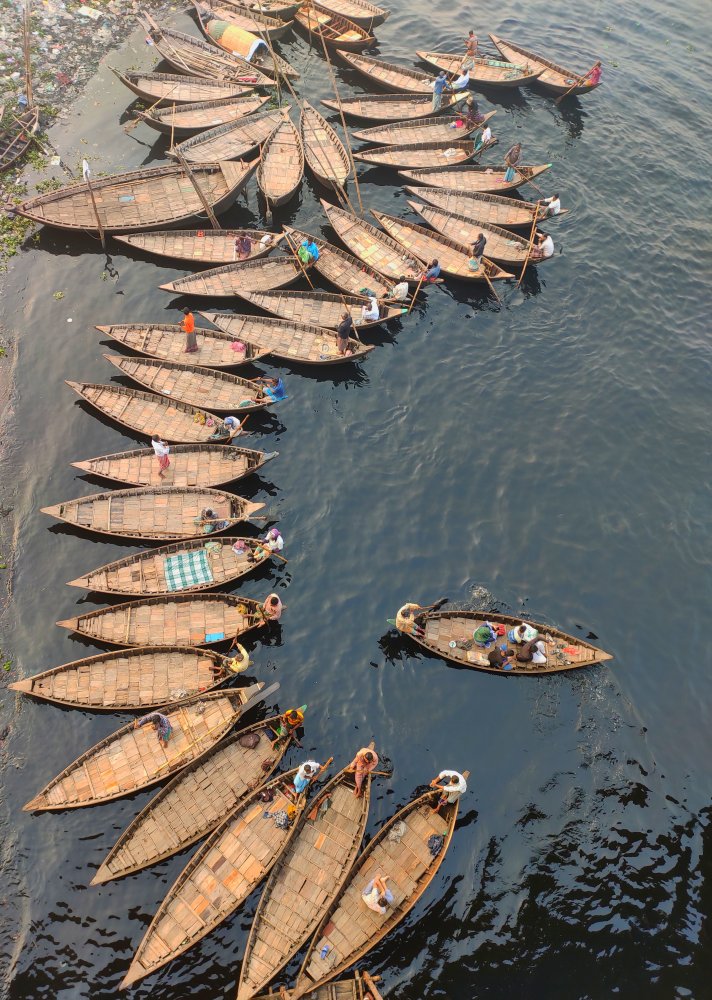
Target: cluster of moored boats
225,111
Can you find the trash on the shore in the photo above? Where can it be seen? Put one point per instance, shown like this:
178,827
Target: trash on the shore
89,12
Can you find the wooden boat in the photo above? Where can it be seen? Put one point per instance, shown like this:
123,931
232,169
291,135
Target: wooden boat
453,257
249,19
282,164
220,876
167,342
366,15
191,465
324,152
177,88
154,513
308,876
485,72
309,345
348,928
195,57
151,198
193,385
150,414
322,24
553,78
361,987
373,246
200,246
238,41
438,129
179,620
247,275
190,806
502,245
390,76
187,119
231,141
488,209
144,574
393,107
128,680
274,8
342,269
319,308
475,177
448,634
421,154
16,136
131,759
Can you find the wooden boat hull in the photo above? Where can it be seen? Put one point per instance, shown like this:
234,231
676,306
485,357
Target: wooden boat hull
231,141
200,247
180,620
281,169
275,8
373,246
189,119
227,281
149,414
284,919
235,41
421,154
365,15
192,384
191,465
554,79
478,179
129,680
389,76
153,513
357,988
177,88
166,342
348,929
308,345
342,269
444,627
485,72
186,809
502,245
438,129
17,138
324,152
145,574
319,308
71,207
232,862
254,21
131,759
489,209
336,32
391,107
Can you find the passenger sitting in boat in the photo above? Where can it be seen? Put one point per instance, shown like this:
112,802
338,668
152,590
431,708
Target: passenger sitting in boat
533,652
305,775
363,763
313,250
308,252
485,635
399,292
463,81
553,205
522,633
484,139
476,251
377,896
273,540
407,620
271,610
188,324
271,388
371,311
288,724
545,248
500,659
472,113
343,332
243,246
161,723
238,659
209,521
452,784
432,273
266,240
511,159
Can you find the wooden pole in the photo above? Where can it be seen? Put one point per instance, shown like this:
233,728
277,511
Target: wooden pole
415,293
485,264
578,83
304,270
26,50
531,244
211,215
102,235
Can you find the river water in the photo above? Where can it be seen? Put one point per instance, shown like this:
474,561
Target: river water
549,456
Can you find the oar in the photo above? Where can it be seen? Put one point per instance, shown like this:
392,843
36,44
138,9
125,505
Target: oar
531,243
484,263
415,293
270,551
578,83
299,261
370,982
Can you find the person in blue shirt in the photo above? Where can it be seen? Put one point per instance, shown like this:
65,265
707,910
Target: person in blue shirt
433,271
305,775
272,388
439,86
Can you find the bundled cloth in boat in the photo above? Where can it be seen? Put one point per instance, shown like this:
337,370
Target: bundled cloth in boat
239,41
189,569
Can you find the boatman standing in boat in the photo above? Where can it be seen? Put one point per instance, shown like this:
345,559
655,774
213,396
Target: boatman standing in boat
305,775
440,84
365,761
188,324
470,52
161,451
344,331
451,784
511,159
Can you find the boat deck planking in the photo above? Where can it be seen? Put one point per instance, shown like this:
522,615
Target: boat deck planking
166,342
226,281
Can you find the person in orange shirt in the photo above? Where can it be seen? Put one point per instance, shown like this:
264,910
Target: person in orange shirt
188,324
363,763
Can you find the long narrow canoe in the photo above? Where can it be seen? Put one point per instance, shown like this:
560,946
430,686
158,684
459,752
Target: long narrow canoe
361,12
373,246
349,929
220,876
502,245
250,275
151,198
150,414
154,513
551,76
231,141
319,308
309,345
475,177
421,154
392,107
177,88
129,679
180,620
249,19
337,32
453,257
193,385
361,987
308,877
486,72
236,41
195,801
282,164
191,465
342,269
201,246
187,119
131,759
441,129
390,76
166,341
16,138
324,152
448,634
489,209
150,574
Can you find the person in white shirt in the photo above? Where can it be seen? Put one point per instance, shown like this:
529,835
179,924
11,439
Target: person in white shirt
462,82
161,451
533,652
234,427
451,784
545,247
523,633
371,311
399,292
553,205
486,137
377,896
305,775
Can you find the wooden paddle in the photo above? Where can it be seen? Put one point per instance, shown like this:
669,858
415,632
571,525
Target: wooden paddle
484,263
415,293
531,243
578,83
304,270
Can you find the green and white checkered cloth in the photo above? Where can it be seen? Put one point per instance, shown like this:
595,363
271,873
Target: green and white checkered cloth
187,570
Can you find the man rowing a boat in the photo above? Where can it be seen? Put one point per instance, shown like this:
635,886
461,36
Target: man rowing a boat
440,84
288,724
407,620
452,784
365,761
